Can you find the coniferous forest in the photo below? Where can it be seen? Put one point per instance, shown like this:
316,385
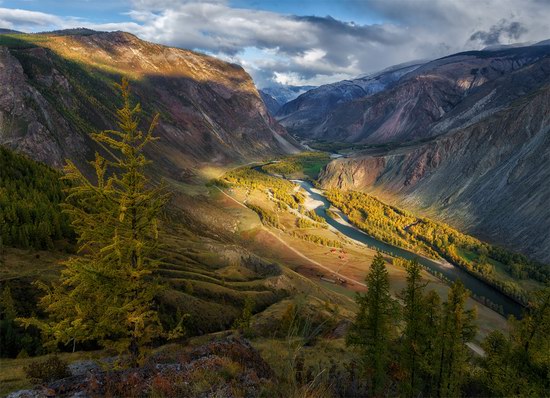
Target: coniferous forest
30,212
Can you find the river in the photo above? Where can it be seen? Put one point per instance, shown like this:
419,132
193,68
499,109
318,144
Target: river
450,271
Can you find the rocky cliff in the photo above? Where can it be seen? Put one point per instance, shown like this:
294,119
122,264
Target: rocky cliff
57,88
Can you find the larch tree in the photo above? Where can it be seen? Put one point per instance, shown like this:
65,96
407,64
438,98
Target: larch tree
372,330
519,364
106,293
430,355
415,334
457,327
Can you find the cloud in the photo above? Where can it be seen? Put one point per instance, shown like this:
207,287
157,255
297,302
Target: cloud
23,19
288,49
512,31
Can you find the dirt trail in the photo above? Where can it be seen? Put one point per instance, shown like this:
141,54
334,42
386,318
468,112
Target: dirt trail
296,251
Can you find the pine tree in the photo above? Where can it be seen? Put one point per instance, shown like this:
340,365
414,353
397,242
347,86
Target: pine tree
415,333
456,329
107,293
373,326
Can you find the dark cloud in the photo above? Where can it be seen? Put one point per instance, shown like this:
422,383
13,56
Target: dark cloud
512,31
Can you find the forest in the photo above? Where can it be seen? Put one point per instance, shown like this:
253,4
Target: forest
402,228
30,198
418,346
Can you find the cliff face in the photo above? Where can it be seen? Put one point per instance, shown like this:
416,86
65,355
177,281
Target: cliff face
486,170
56,89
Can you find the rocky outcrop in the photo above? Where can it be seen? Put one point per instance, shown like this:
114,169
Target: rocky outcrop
57,89
486,170
216,369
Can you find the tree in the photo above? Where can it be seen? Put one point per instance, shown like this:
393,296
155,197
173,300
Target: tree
107,293
415,338
432,303
519,365
455,330
373,326
242,323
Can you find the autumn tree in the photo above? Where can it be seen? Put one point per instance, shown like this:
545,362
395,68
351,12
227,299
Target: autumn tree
106,294
456,328
373,327
415,337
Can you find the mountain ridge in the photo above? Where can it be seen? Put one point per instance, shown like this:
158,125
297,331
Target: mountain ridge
59,88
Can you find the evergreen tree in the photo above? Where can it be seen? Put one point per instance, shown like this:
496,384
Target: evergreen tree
432,303
415,333
372,329
107,293
455,330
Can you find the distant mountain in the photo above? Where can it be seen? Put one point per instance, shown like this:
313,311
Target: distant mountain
284,94
8,31
470,144
58,88
306,114
271,103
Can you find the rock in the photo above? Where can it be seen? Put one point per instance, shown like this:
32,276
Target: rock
82,368
229,363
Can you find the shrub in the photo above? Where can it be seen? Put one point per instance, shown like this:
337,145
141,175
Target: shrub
50,369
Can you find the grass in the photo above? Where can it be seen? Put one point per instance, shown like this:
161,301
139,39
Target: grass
12,375
303,165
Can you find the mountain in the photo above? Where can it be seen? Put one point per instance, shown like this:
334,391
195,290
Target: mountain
421,104
472,145
57,88
284,94
306,114
271,103
4,31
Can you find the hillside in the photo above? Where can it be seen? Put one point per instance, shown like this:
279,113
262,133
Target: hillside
57,88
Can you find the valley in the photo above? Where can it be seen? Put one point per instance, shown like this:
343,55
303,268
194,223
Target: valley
227,241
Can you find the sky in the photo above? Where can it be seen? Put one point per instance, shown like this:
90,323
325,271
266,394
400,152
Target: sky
300,42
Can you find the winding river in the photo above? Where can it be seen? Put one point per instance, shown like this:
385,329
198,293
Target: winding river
450,271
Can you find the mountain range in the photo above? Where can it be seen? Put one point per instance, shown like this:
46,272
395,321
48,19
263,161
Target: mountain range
463,138
275,97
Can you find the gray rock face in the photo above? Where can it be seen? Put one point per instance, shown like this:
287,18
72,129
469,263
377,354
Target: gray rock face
271,103
485,169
